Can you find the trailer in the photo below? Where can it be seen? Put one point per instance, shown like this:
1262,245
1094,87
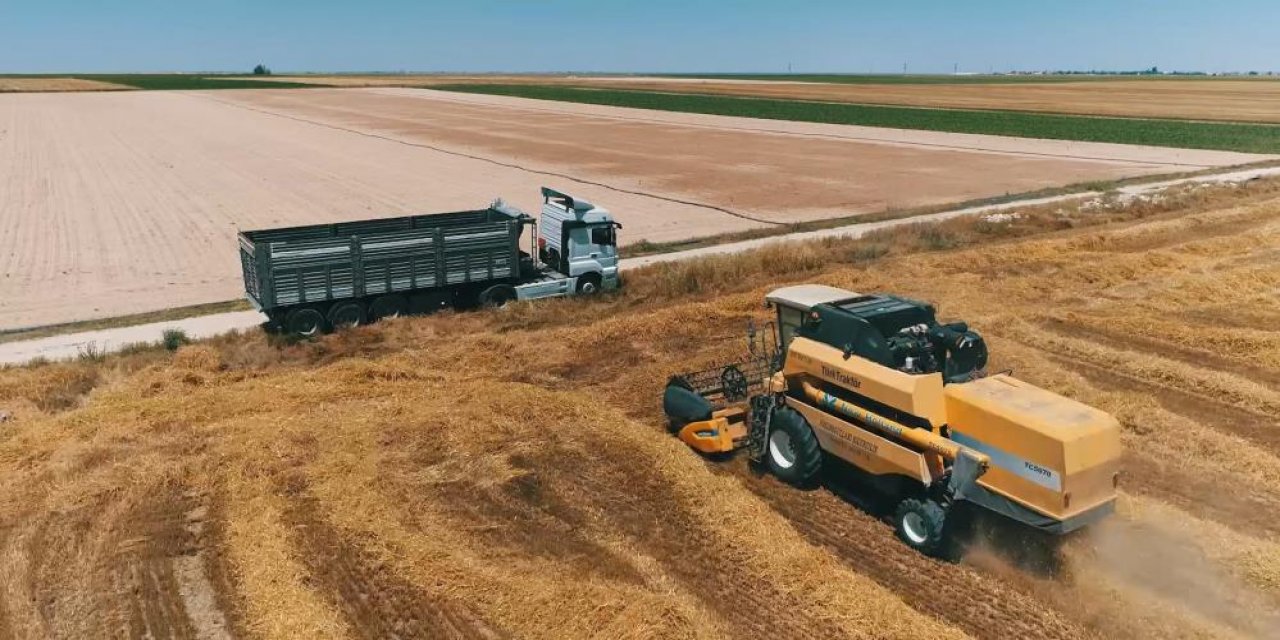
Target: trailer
315,278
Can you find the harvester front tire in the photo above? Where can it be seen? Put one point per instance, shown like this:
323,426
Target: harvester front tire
921,523
792,452
304,321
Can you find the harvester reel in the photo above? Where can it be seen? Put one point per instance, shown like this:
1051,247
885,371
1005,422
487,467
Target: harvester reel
734,383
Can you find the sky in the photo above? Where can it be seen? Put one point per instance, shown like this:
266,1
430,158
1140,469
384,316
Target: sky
810,36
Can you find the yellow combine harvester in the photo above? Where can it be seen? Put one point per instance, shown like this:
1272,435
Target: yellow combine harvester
876,381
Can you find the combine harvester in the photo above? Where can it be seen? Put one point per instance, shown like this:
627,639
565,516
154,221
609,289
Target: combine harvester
316,278
876,381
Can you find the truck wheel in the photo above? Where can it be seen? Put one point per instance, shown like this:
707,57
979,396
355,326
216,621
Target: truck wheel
497,296
388,306
792,452
304,321
589,284
345,315
920,523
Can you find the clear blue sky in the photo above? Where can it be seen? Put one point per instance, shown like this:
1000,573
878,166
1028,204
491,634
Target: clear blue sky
658,35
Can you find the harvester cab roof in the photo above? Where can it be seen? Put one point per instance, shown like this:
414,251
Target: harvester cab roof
891,331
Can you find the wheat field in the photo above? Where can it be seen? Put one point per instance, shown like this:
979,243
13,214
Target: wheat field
507,474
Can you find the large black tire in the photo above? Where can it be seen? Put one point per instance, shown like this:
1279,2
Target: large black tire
304,321
497,296
921,523
347,314
588,284
792,452
389,306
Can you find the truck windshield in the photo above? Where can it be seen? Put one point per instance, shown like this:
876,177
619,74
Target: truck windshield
603,236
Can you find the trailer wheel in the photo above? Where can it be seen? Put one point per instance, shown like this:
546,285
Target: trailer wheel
588,284
304,321
920,524
388,306
497,296
346,315
793,453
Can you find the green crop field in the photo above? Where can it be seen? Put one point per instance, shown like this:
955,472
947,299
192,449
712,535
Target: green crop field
899,78
168,81
1252,138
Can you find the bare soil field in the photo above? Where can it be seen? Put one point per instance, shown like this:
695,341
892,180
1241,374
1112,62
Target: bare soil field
16,84
1233,100
119,203
507,474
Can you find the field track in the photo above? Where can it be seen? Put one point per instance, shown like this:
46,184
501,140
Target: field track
118,204
491,474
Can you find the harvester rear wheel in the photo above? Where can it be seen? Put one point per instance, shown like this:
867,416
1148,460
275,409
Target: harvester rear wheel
792,452
921,524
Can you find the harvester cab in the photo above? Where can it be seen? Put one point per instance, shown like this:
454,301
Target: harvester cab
878,382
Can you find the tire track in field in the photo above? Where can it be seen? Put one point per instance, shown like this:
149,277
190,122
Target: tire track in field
375,602
500,163
972,601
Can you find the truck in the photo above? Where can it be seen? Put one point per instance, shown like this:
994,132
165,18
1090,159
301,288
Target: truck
316,278
876,382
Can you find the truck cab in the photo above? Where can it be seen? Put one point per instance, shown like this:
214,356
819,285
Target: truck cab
579,239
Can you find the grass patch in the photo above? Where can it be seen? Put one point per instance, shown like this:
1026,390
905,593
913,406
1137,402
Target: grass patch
174,338
1226,136
178,313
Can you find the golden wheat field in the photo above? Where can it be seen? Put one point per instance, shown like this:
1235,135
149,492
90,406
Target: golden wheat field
507,473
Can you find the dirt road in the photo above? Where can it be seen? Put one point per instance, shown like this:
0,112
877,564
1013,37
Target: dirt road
117,203
71,345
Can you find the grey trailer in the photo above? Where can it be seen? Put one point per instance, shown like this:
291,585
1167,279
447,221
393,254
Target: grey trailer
310,279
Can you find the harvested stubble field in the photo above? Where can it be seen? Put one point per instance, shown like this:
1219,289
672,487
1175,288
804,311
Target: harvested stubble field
508,474
127,202
16,84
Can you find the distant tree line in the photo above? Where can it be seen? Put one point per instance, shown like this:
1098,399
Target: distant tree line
261,70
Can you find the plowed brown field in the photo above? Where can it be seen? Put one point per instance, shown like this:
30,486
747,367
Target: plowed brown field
120,203
1196,99
507,474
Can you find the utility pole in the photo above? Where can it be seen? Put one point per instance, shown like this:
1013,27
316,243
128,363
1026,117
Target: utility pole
904,68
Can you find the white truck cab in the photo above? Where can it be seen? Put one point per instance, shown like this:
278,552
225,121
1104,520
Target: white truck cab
579,240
